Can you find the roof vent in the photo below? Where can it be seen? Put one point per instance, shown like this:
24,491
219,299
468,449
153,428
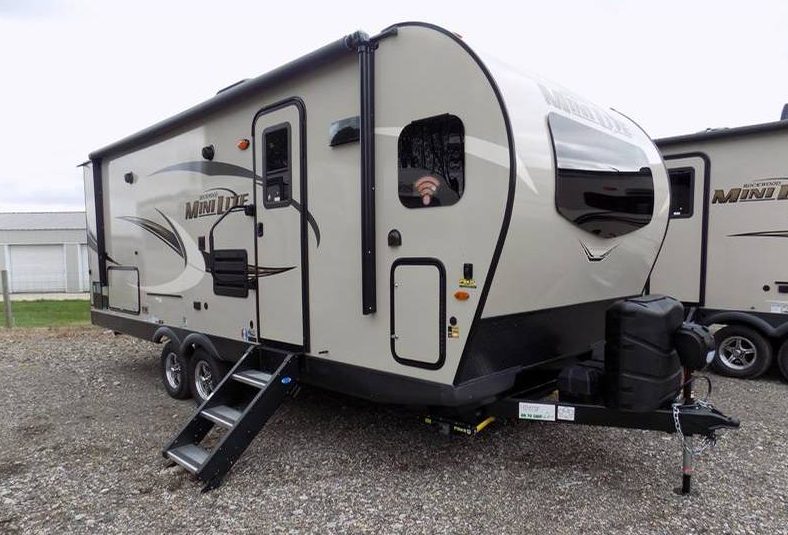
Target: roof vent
784,116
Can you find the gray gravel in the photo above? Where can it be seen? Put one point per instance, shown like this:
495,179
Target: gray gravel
84,417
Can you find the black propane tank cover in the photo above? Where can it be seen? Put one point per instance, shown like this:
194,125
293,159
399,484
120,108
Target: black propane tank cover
642,367
695,345
208,152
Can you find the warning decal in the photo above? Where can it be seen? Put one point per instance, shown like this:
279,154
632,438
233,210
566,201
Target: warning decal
537,411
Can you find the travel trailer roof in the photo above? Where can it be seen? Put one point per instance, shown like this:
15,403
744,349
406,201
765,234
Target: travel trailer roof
718,133
234,94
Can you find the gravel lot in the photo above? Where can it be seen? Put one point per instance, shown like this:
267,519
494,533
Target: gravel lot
84,418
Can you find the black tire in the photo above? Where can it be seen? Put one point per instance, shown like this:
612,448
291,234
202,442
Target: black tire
174,372
782,360
742,352
203,369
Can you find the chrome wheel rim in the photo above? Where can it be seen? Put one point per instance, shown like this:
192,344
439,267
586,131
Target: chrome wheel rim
737,352
203,379
173,371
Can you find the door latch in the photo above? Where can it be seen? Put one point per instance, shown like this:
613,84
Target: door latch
260,230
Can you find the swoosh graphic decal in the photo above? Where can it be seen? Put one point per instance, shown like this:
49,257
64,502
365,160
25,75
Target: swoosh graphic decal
194,260
93,246
762,234
166,235
181,246
193,270
262,271
480,148
211,168
92,242
311,220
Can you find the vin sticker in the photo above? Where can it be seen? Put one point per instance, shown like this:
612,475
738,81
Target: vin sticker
566,413
537,411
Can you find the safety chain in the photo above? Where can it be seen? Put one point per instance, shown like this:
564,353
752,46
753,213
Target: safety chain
709,441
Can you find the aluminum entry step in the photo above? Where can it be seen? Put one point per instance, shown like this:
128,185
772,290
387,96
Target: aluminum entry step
222,415
190,456
253,377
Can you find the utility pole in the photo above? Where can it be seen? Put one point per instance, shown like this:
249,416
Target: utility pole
9,318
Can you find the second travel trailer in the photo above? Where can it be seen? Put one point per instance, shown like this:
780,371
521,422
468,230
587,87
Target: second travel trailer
396,218
726,250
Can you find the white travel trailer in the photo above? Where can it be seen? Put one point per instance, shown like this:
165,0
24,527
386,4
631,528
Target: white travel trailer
723,255
394,218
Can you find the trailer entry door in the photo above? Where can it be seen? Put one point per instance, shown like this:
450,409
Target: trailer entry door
678,268
281,229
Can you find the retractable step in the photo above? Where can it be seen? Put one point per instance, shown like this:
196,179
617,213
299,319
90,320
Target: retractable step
222,415
240,410
190,456
253,377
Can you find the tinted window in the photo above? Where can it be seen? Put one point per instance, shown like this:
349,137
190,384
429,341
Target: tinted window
277,179
432,162
276,150
681,188
603,184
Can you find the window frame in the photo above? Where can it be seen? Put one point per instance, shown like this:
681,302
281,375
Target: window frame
691,204
556,176
418,122
284,173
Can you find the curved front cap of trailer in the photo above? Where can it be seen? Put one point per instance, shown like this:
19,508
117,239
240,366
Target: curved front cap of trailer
591,201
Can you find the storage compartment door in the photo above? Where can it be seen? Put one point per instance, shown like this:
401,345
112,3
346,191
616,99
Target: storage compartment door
418,301
124,289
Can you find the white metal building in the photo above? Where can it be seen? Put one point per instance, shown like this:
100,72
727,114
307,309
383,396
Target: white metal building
44,251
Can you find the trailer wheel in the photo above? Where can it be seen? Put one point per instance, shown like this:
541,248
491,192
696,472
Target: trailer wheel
782,360
174,371
206,373
741,352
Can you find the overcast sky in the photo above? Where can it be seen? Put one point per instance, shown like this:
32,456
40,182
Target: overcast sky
77,75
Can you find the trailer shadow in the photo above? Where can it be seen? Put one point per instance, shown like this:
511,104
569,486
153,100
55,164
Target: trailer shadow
360,436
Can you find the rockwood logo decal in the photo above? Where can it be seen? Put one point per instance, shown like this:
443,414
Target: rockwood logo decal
767,189
215,201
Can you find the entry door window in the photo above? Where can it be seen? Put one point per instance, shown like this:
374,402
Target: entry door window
277,189
682,184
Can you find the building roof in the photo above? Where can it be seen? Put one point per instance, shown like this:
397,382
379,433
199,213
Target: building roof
42,221
717,133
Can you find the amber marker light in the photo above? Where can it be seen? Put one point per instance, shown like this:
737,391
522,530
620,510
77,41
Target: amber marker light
461,296
243,144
